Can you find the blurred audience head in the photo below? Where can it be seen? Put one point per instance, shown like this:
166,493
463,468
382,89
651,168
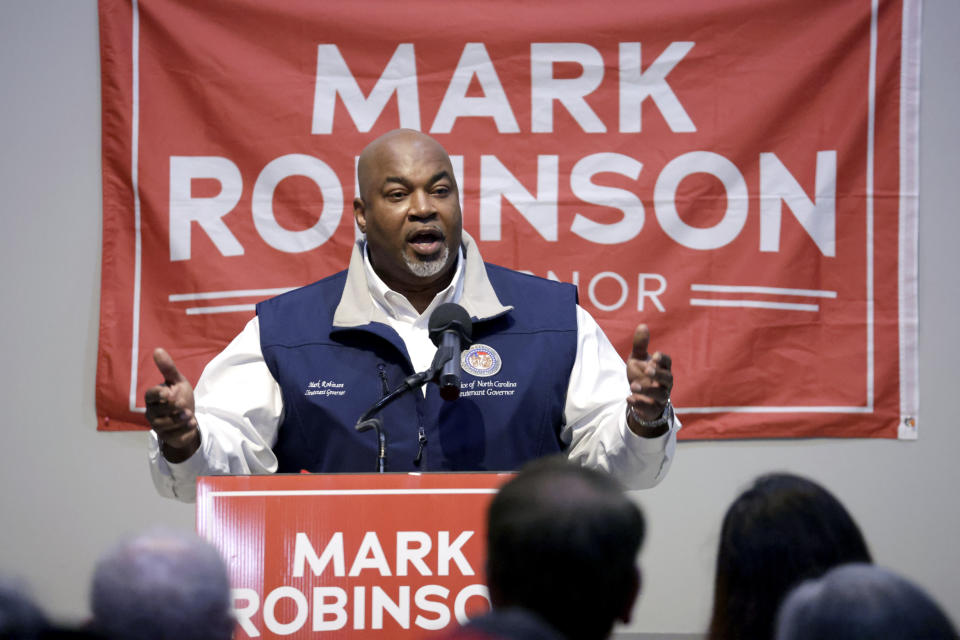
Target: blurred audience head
20,617
783,529
162,585
861,602
562,542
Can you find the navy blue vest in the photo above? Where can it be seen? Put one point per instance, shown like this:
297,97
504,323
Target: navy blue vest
330,375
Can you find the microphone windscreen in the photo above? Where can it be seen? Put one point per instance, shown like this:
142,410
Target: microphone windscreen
450,316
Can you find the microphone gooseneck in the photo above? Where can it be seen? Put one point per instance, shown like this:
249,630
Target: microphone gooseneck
450,329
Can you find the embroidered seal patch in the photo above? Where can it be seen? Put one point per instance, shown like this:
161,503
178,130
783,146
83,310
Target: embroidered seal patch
481,361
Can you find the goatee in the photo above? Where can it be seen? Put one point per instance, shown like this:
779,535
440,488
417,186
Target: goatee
429,266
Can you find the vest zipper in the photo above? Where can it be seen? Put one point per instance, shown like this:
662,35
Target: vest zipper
421,433
422,442
382,372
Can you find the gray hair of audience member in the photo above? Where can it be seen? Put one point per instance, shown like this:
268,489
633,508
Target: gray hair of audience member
861,602
162,585
20,617
562,542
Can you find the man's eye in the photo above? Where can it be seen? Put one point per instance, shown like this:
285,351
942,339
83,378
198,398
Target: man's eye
441,191
395,195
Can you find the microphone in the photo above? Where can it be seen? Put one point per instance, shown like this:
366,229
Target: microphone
451,330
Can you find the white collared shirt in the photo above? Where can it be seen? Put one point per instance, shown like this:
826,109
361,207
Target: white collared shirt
412,326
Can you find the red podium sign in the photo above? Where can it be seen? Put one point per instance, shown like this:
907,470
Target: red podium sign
351,555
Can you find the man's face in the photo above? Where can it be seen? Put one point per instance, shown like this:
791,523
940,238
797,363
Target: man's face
410,211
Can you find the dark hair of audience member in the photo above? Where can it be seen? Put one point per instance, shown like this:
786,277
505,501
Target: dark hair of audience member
862,602
20,617
780,531
162,585
562,542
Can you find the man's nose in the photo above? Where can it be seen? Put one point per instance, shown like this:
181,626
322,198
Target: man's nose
421,205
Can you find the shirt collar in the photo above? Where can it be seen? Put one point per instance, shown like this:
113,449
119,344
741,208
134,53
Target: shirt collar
395,305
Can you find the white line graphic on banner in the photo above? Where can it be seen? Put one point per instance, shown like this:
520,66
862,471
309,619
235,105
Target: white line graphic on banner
754,304
135,185
871,136
777,291
907,263
219,295
758,304
227,308
241,293
347,492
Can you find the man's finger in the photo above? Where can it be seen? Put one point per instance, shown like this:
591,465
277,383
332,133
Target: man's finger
641,339
175,433
156,395
664,361
169,371
171,420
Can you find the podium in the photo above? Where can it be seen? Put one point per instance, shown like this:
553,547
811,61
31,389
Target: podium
394,555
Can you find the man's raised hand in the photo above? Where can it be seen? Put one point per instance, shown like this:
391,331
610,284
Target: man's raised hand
170,411
650,380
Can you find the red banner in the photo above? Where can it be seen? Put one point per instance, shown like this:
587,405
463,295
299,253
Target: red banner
741,176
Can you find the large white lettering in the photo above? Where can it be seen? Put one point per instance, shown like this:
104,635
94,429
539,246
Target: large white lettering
621,284
817,217
382,603
545,89
665,201
653,294
436,607
322,610
636,86
270,610
475,62
296,164
335,78
243,614
627,202
330,609
412,548
447,551
303,552
460,603
541,210
370,556
207,212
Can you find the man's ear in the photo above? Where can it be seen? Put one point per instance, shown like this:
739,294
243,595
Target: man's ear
360,214
630,598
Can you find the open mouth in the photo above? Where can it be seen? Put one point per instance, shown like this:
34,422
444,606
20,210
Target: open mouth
426,242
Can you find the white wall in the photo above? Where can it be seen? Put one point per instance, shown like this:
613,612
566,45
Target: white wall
67,492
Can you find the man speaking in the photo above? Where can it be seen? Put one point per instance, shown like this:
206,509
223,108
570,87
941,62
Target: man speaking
538,376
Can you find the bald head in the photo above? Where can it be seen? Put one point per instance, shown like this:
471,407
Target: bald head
387,145
409,209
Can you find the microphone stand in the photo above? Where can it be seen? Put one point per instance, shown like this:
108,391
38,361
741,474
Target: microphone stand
415,381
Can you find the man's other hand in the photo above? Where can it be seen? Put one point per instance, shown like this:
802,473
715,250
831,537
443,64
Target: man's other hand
650,383
170,411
